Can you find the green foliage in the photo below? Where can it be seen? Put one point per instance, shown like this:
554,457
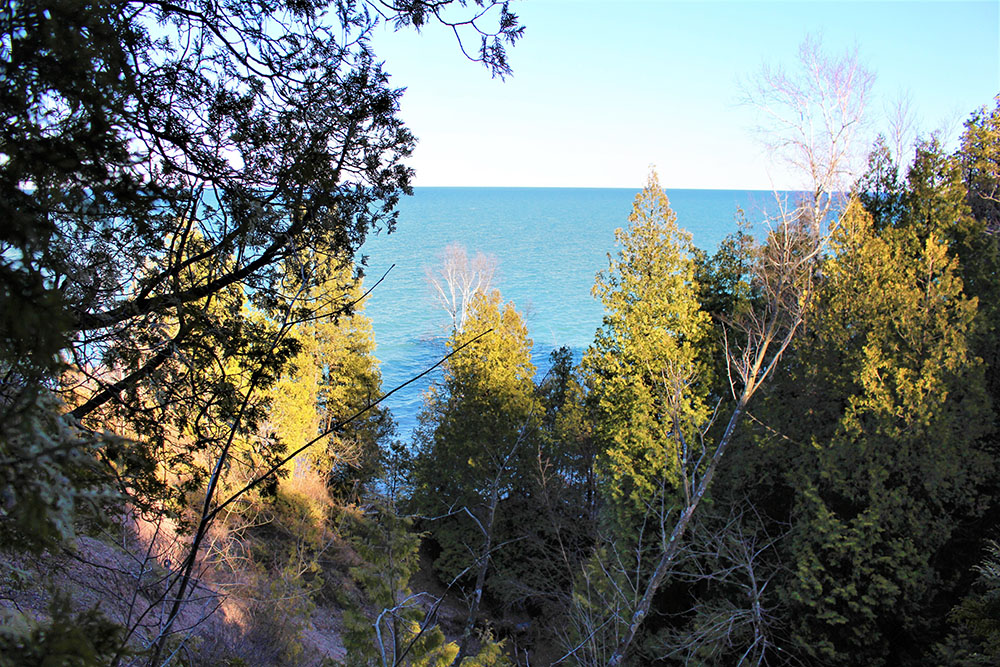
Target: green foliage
975,639
50,476
84,639
727,292
563,495
879,189
478,431
166,186
935,200
333,376
490,653
979,247
647,370
159,188
385,618
980,158
724,278
889,466
63,82
976,619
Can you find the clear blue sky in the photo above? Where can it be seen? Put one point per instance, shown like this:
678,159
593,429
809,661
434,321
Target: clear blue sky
602,89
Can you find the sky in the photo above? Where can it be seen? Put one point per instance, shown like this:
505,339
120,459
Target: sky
603,89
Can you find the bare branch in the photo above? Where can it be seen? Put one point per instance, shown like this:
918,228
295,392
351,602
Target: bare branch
812,119
457,280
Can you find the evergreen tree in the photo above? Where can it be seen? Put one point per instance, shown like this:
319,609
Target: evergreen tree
936,198
879,189
386,622
564,474
158,138
938,202
885,463
979,246
333,376
647,369
975,635
648,373
477,439
980,159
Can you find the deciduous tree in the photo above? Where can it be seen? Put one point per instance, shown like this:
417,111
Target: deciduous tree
811,120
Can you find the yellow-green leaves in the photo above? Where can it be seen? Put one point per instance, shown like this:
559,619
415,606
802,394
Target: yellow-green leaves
896,302
895,464
646,368
333,376
501,360
478,435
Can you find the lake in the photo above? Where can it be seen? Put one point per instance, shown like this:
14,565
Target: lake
549,242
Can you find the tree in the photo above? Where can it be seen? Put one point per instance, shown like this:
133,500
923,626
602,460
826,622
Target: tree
813,119
811,122
457,280
649,349
164,164
980,156
976,636
781,280
478,427
938,202
334,374
563,483
402,636
979,246
879,189
155,138
873,443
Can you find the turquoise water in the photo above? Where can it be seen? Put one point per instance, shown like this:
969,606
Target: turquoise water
549,242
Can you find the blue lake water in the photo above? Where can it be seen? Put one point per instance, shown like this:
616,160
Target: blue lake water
549,242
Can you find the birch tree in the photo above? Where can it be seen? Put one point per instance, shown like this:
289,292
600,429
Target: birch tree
457,280
812,122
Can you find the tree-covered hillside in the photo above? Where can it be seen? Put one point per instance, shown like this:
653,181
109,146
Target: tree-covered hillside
782,452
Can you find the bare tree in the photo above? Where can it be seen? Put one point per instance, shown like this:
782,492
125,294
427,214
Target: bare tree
902,128
457,279
812,119
731,555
